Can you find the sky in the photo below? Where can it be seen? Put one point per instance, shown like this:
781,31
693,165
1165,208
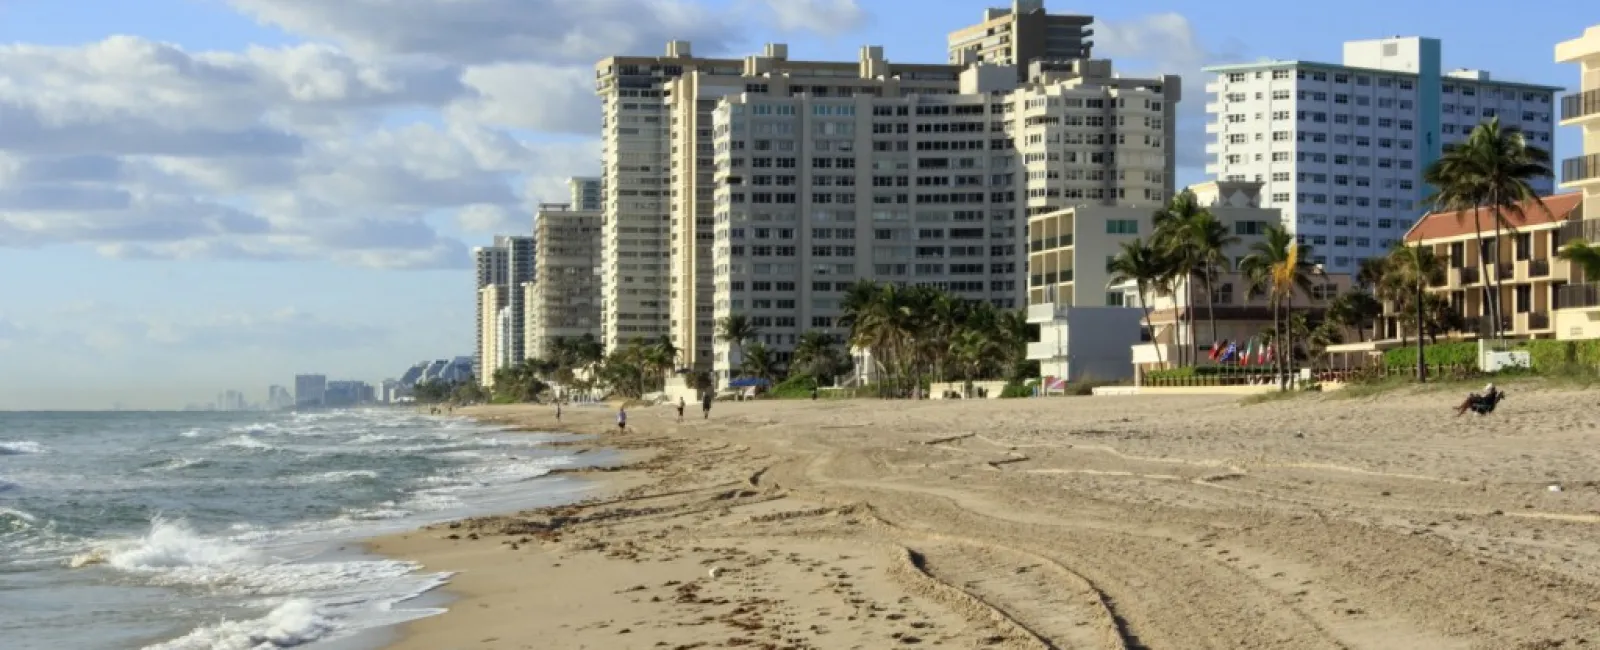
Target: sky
200,195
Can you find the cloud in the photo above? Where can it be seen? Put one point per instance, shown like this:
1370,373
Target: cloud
824,17
114,330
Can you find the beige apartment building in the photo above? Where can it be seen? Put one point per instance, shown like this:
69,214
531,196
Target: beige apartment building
1020,34
1579,316
492,303
1069,260
491,265
659,173
815,193
1531,283
565,302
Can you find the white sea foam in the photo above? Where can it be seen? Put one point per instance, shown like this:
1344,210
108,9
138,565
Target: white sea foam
259,427
177,464
246,442
296,622
17,519
337,477
21,447
192,433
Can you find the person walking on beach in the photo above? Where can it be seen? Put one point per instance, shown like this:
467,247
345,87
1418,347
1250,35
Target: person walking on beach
558,410
622,418
705,405
680,408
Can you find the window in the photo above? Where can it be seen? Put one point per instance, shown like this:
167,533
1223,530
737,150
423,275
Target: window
1122,227
1115,299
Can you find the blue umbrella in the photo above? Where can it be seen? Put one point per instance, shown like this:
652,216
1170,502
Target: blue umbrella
746,382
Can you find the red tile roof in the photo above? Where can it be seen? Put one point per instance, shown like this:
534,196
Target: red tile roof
1438,225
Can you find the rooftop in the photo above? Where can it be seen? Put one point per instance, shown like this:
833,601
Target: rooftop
1445,225
1296,63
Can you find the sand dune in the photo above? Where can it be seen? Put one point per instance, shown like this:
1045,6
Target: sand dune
1134,522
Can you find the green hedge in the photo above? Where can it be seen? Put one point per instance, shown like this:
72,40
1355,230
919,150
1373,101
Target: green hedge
1550,356
1463,353
1016,390
798,386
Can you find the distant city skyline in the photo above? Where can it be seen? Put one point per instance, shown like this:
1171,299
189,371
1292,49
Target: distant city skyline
290,186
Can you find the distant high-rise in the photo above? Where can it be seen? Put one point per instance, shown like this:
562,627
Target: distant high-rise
521,254
565,302
278,397
310,390
491,300
586,193
1021,34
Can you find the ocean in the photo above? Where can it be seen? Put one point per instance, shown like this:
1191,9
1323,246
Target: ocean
224,531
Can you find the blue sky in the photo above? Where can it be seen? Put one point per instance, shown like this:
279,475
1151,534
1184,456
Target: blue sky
346,256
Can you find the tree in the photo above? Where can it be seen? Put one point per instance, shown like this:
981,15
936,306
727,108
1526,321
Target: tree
817,355
1407,272
1583,255
1194,244
1356,310
759,363
1278,266
1144,266
1492,170
738,330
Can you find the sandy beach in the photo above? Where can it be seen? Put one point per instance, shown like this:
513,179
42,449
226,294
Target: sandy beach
1114,522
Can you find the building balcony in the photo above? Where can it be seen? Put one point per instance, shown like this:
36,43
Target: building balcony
1581,170
1579,107
1538,321
1539,268
1578,296
1046,313
1466,276
1047,350
1585,229
1505,272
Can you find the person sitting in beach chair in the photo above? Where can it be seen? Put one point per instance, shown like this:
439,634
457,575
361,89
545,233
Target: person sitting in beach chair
1482,404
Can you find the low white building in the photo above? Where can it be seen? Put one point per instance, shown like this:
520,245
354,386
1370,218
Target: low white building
1084,343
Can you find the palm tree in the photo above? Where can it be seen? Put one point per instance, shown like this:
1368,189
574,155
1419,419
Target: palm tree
1585,256
1408,270
1142,265
816,355
757,362
1490,169
1195,244
1277,266
738,330
661,357
1355,309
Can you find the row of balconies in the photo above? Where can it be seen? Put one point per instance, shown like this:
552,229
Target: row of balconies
1053,277
1049,243
1578,105
1518,271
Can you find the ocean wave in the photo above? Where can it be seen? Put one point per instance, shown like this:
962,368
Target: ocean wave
337,477
15,519
295,622
259,427
192,433
21,447
175,464
246,442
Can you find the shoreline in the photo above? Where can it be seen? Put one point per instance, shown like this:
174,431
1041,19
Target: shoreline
1063,522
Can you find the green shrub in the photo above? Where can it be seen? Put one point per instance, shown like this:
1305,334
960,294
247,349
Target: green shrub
1464,353
796,387
1016,390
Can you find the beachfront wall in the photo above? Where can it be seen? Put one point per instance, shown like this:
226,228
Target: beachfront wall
965,390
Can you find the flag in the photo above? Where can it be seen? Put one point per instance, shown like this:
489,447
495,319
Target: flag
1244,352
1265,356
1269,354
1228,352
1216,350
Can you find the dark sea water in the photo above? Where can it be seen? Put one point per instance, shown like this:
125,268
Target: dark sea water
230,531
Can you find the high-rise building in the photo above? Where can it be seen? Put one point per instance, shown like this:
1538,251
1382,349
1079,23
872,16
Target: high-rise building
521,254
491,301
565,302
279,397
1582,109
1021,34
586,193
659,207
310,390
1341,147
493,269
816,193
